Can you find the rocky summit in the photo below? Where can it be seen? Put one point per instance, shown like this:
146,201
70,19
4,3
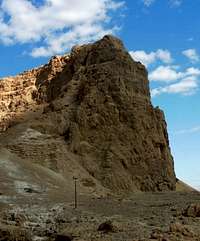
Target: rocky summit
86,114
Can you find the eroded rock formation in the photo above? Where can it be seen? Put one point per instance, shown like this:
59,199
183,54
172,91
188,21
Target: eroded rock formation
93,107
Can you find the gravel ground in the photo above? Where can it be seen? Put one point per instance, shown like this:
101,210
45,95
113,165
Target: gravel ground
141,216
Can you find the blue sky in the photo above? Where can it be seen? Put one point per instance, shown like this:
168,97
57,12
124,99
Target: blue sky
163,34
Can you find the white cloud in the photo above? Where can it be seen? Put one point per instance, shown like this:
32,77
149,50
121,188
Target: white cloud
143,57
192,71
164,56
149,58
175,3
186,81
170,73
189,130
186,86
190,39
55,25
191,54
165,74
148,2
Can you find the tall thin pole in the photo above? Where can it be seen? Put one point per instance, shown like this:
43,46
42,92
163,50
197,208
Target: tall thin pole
75,192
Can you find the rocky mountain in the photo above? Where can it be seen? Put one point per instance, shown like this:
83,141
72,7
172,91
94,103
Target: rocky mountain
86,114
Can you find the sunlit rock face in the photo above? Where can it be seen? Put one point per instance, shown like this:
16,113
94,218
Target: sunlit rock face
89,110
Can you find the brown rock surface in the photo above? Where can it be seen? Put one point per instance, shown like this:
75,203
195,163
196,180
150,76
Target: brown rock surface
89,114
193,210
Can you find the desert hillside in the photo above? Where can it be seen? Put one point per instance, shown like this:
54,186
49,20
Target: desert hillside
88,115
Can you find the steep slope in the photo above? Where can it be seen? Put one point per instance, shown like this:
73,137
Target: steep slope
89,111
184,187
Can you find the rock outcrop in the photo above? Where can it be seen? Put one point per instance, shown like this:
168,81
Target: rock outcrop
91,108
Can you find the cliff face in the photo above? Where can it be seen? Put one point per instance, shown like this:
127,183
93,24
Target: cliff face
89,111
